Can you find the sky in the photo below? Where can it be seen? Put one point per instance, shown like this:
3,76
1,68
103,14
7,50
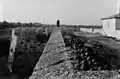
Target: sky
75,12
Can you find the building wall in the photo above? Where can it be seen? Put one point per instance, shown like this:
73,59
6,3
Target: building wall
116,34
94,31
109,26
98,31
112,27
86,29
117,24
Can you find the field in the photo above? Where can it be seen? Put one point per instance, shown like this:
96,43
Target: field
88,51
28,50
80,58
93,52
4,52
30,45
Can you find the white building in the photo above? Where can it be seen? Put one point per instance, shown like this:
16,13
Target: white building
111,24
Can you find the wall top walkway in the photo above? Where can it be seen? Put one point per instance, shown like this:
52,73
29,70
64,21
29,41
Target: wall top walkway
53,60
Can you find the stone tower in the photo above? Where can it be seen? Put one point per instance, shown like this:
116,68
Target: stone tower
118,6
0,10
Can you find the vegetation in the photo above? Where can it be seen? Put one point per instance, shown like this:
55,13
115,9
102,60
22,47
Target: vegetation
89,55
28,51
5,24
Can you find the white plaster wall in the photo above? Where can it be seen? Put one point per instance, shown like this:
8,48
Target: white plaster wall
98,31
109,26
86,29
94,31
116,34
109,31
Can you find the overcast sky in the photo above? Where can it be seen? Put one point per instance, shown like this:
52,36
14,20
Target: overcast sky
48,11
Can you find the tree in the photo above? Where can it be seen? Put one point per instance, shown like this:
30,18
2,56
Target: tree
19,24
4,24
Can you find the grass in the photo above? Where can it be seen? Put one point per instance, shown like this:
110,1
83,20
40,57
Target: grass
28,50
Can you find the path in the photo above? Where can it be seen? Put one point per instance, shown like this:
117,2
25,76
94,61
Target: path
53,63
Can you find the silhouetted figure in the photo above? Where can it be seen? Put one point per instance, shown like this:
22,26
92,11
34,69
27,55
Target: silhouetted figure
58,23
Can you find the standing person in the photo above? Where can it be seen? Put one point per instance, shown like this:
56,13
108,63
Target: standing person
58,23
92,29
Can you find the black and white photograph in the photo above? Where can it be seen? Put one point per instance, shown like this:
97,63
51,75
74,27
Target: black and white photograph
59,39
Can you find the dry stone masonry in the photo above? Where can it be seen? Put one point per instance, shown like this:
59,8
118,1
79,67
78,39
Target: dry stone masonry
53,63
